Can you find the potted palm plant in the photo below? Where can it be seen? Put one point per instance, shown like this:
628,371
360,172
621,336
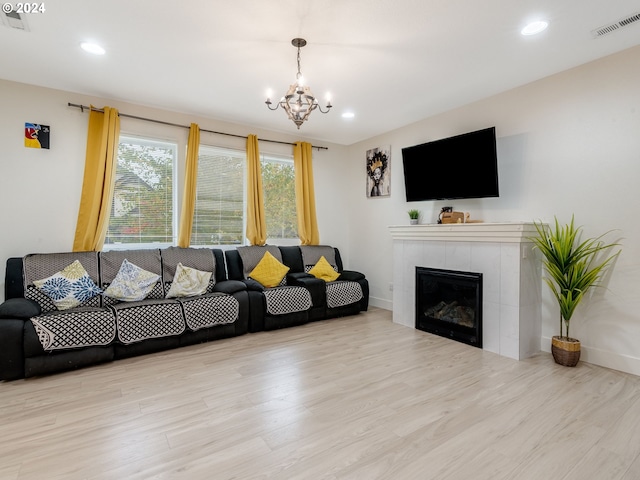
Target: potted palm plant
572,267
413,216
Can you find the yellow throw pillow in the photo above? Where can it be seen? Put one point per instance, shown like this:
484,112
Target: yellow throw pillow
324,270
269,271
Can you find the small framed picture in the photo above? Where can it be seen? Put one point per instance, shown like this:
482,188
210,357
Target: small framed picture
36,135
379,172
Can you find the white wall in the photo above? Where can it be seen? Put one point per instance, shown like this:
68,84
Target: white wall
40,189
567,144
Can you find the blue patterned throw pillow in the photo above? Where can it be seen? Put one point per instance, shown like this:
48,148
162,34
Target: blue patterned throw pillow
132,283
69,287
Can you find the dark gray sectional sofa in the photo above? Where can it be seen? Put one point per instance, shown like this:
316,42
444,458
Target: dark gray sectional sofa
298,278
36,338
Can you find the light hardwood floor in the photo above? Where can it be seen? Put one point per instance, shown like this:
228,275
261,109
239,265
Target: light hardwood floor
350,398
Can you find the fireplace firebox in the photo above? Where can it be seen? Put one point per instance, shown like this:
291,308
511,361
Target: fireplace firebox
449,304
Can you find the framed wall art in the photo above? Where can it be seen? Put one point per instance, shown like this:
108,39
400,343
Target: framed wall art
36,135
379,172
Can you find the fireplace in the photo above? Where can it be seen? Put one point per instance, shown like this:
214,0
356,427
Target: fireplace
449,304
511,277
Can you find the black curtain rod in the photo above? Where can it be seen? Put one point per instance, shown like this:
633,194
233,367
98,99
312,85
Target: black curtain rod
82,107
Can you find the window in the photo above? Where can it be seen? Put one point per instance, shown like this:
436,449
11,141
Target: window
219,211
278,181
143,210
219,217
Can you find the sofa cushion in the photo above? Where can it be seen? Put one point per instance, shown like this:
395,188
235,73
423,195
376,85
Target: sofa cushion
202,259
75,328
269,271
189,282
323,270
252,254
311,255
151,318
132,283
285,300
39,266
209,310
111,262
340,294
69,287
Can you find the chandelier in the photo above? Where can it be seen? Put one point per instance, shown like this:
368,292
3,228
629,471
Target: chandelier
299,102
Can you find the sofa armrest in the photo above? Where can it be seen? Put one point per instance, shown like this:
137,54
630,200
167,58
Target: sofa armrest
253,285
294,277
11,348
351,275
230,286
23,308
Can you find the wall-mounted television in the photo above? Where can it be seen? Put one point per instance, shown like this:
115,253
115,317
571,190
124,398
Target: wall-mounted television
463,166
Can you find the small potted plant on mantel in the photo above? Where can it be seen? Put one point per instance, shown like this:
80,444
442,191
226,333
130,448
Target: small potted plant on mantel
572,267
413,216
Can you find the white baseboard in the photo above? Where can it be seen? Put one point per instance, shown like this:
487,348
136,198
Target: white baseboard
381,303
603,358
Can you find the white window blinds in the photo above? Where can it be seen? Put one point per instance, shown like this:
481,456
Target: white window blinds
143,203
219,210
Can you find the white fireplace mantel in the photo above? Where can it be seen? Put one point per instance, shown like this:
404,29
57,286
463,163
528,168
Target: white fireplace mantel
511,271
516,232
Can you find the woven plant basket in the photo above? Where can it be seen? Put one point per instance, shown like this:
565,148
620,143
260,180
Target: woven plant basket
565,351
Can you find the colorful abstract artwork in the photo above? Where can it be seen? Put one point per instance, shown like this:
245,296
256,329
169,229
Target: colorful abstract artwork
36,135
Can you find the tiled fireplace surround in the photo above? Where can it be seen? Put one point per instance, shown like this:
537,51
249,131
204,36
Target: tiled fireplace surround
510,268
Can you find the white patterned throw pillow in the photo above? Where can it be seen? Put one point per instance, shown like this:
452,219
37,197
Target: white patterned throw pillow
188,282
132,283
69,287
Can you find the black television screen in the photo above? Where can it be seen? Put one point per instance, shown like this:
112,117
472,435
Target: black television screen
464,166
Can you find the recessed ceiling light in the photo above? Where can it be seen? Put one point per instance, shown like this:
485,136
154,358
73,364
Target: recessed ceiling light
93,48
348,115
534,27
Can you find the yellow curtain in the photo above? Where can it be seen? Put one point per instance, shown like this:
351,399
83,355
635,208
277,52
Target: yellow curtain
189,194
99,180
256,224
305,195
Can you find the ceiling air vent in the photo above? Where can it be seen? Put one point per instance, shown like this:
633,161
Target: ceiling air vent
612,27
14,20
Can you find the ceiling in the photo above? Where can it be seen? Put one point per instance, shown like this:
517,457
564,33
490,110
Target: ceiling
390,62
